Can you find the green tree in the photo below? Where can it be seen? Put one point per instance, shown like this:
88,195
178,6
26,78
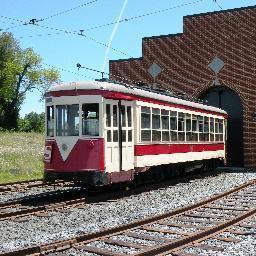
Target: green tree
32,122
21,71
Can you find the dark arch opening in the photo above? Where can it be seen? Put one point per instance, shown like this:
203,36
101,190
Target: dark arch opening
229,101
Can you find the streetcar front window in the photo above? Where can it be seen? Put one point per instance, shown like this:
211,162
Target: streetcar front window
67,120
50,121
90,119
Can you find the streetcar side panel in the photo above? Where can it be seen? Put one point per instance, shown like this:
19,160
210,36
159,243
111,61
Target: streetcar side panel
169,134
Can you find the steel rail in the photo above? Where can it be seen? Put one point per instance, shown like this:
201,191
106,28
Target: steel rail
23,185
16,185
19,182
65,244
180,243
53,200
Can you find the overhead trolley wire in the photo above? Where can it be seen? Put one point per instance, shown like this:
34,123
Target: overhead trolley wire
59,31
81,32
67,71
216,2
105,73
12,23
35,21
79,66
83,35
46,18
12,19
143,15
69,10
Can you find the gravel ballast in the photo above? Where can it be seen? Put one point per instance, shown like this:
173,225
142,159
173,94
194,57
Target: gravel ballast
93,217
30,192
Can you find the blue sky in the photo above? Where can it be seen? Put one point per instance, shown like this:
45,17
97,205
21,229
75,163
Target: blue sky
56,37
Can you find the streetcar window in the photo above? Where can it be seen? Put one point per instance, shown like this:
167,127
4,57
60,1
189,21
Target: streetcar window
109,136
206,128
211,124
221,129
216,126
156,133
67,120
194,128
218,129
221,126
201,123
50,121
217,136
188,122
129,135
108,116
194,123
181,121
181,126
145,117
123,116
211,129
115,136
114,115
129,123
129,116
124,135
173,125
145,124
188,127
165,121
90,119
165,125
201,127
173,120
165,136
145,135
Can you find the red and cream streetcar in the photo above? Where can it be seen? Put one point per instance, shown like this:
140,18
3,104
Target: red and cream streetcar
103,132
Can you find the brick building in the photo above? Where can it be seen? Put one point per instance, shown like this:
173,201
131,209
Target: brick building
224,41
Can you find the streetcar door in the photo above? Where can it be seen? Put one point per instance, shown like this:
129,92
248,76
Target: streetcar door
127,135
119,142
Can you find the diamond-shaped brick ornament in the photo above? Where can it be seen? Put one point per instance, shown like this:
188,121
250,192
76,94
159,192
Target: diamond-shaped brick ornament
216,65
154,70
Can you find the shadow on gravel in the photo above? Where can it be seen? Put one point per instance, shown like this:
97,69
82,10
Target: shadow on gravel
236,170
121,190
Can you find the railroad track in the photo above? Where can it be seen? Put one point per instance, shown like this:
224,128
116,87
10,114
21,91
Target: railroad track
172,233
40,204
23,186
20,186
44,203
44,199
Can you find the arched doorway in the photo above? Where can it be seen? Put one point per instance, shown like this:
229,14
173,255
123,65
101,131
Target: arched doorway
228,100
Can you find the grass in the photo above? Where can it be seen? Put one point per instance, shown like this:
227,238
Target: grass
21,156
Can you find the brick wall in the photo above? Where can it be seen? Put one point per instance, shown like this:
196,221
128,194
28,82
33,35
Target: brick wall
184,59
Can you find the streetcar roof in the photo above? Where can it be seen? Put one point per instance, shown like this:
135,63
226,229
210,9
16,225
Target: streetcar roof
121,88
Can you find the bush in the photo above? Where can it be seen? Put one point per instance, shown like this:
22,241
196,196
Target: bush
32,122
